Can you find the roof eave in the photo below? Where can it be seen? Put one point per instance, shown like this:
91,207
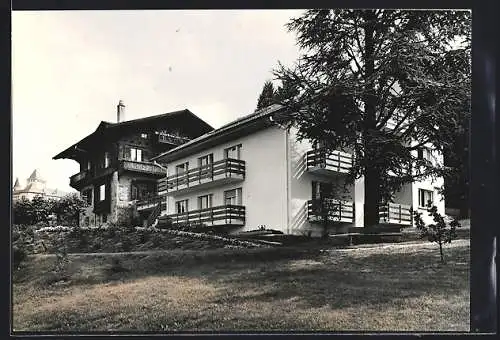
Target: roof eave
225,130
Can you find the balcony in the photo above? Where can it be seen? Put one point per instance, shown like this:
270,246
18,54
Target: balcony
172,139
78,180
338,211
319,162
217,173
224,215
151,202
143,167
395,120
394,213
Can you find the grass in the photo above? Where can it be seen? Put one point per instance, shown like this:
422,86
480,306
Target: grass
373,289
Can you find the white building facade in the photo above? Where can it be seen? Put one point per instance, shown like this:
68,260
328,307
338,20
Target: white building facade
254,172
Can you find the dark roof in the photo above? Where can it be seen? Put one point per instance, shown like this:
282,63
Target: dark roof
193,123
225,129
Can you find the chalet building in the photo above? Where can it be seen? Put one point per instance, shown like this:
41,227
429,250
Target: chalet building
117,176
35,186
254,171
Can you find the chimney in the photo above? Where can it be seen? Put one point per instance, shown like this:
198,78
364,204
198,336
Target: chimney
120,112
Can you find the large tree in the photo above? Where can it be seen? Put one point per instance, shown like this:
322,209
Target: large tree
362,69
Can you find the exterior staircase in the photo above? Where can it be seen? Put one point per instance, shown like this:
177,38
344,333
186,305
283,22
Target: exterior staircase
153,216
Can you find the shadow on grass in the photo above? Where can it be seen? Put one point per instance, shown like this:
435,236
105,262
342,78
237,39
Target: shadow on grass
335,280
345,281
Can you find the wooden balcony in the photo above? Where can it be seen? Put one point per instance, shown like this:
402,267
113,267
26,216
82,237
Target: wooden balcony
218,173
319,162
337,210
394,213
223,215
151,202
143,167
78,180
172,139
86,177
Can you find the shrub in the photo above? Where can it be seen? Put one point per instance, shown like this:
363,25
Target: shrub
68,208
439,232
23,238
38,210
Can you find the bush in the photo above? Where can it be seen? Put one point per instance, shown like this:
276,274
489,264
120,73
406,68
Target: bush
68,208
23,238
439,232
38,210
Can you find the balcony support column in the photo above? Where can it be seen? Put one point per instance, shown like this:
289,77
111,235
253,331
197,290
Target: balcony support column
113,218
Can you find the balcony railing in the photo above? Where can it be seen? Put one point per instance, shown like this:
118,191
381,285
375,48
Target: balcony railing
220,215
318,160
142,167
86,176
394,213
172,139
334,210
77,179
151,202
226,170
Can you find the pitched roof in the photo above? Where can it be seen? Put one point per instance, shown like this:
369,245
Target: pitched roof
35,176
105,128
240,122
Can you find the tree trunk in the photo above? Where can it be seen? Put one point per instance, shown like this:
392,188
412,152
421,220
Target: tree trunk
372,174
372,198
441,252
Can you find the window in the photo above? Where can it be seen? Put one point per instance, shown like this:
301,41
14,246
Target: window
106,159
102,192
136,155
181,206
232,197
232,152
181,168
205,201
424,196
89,164
87,196
144,135
206,160
424,153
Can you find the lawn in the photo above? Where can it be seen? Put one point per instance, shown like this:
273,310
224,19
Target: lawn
384,288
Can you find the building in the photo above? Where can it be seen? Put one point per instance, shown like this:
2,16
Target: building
35,186
117,176
254,171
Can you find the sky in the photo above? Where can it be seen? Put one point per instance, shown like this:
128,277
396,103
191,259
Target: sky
70,69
